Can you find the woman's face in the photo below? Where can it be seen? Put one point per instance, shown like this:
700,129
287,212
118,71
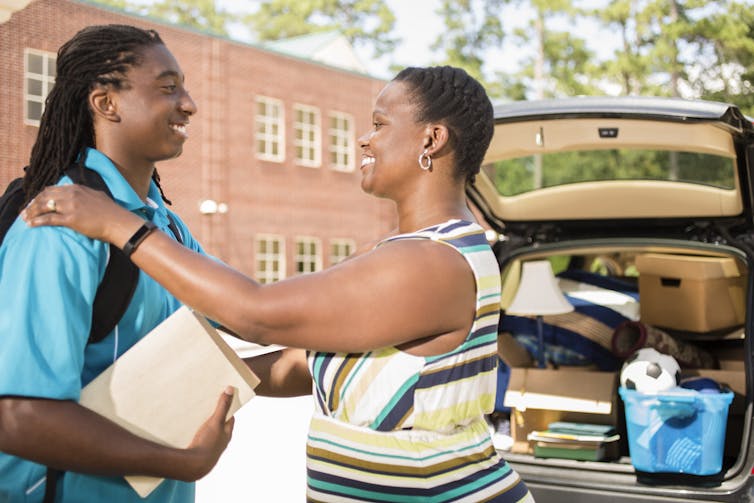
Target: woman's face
391,149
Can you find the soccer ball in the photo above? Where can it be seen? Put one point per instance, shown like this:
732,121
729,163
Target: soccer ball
649,371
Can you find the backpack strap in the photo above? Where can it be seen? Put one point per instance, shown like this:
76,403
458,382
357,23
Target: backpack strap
114,292
118,284
174,228
51,484
11,203
121,276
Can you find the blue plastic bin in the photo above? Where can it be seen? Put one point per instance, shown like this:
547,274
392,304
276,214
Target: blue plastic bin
676,431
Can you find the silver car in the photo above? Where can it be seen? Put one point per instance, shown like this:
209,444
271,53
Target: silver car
620,224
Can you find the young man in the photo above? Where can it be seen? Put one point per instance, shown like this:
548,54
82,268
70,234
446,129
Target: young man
119,106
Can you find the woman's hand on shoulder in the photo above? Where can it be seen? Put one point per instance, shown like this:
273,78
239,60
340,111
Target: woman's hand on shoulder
87,211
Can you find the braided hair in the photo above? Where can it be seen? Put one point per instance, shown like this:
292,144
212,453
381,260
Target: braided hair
451,96
96,55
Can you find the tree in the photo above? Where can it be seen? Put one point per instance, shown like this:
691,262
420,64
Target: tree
627,66
363,22
686,48
471,27
553,63
726,38
201,14
118,4
559,62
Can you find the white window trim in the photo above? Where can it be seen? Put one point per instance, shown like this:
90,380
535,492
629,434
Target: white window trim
350,137
316,259
47,82
351,243
268,137
269,238
317,143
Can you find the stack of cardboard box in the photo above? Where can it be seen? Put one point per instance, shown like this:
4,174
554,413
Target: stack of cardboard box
538,397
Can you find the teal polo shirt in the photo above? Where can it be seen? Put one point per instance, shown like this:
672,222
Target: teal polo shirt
48,280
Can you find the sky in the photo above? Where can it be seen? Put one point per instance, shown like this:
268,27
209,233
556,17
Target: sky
418,26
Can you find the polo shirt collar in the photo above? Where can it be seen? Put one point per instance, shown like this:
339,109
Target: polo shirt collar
122,192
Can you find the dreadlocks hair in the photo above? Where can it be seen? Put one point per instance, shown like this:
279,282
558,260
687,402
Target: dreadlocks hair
96,55
450,96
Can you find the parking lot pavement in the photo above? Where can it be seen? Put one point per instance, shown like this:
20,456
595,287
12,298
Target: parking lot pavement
266,458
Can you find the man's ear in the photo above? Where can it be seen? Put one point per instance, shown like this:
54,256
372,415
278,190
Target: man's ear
436,138
103,104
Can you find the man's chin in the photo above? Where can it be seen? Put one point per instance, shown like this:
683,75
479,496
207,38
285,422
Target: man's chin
177,152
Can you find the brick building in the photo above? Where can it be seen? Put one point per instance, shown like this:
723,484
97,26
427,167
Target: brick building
269,179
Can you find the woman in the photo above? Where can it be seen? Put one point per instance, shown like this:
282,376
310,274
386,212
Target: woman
118,106
397,343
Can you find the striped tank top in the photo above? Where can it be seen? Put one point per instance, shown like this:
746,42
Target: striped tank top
392,427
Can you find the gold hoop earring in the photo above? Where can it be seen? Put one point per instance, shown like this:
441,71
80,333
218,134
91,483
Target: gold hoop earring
425,161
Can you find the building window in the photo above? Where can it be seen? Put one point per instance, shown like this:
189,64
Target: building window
39,76
308,255
270,132
270,256
340,249
307,135
341,141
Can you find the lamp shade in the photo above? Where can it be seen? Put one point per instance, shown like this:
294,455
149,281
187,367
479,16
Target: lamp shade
538,293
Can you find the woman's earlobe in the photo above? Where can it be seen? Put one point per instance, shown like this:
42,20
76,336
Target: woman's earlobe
441,136
436,138
430,139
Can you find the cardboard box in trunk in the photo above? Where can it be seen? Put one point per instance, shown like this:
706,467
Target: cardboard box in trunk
695,294
538,397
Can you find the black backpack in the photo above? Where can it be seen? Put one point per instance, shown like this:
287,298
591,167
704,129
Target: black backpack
118,284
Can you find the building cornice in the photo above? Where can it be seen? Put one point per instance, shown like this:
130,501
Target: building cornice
8,7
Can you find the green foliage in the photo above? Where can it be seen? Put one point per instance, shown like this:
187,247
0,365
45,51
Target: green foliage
118,4
515,176
728,75
552,61
627,68
471,27
688,48
200,14
566,67
362,22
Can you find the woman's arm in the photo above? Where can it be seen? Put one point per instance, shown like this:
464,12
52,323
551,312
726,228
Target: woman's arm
282,373
401,292
64,435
